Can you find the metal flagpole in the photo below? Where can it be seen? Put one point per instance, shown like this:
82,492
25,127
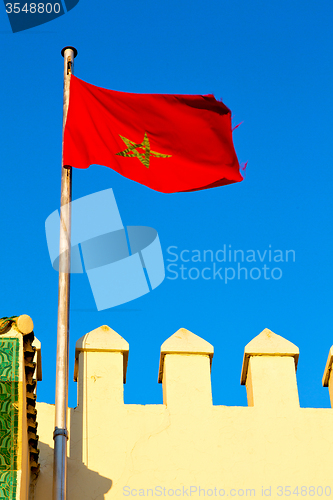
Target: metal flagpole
60,434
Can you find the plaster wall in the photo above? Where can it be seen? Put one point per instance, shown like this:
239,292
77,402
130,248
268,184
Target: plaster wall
188,446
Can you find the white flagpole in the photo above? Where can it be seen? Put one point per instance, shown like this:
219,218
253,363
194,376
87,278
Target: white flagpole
60,434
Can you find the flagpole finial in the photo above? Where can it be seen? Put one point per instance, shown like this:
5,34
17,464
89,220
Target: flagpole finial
69,47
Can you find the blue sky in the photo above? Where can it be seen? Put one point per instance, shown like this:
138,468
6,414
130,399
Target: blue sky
271,63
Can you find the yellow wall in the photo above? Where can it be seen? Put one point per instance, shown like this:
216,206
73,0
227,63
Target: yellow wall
118,450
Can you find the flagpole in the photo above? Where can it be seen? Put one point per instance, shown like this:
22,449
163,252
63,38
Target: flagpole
60,434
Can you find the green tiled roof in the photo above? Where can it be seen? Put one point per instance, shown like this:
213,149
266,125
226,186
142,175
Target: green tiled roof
9,380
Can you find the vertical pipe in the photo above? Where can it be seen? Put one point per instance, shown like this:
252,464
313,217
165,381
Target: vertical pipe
60,434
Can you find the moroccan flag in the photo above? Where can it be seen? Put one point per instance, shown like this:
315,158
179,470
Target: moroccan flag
170,143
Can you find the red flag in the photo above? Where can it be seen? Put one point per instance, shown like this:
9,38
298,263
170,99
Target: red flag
170,143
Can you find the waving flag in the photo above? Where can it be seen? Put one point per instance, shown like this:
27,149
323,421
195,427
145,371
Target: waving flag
170,143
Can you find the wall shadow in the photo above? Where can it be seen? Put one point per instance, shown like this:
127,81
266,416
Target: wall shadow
83,483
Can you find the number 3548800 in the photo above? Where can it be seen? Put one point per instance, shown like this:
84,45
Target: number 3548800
33,8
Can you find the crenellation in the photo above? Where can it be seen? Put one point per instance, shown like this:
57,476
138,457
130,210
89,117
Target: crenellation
100,366
187,440
185,365
269,371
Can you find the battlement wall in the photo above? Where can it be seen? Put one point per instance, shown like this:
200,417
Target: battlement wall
117,450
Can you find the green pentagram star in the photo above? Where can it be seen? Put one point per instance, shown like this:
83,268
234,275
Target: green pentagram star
144,157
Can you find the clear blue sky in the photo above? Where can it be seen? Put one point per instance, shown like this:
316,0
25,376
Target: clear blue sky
271,63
